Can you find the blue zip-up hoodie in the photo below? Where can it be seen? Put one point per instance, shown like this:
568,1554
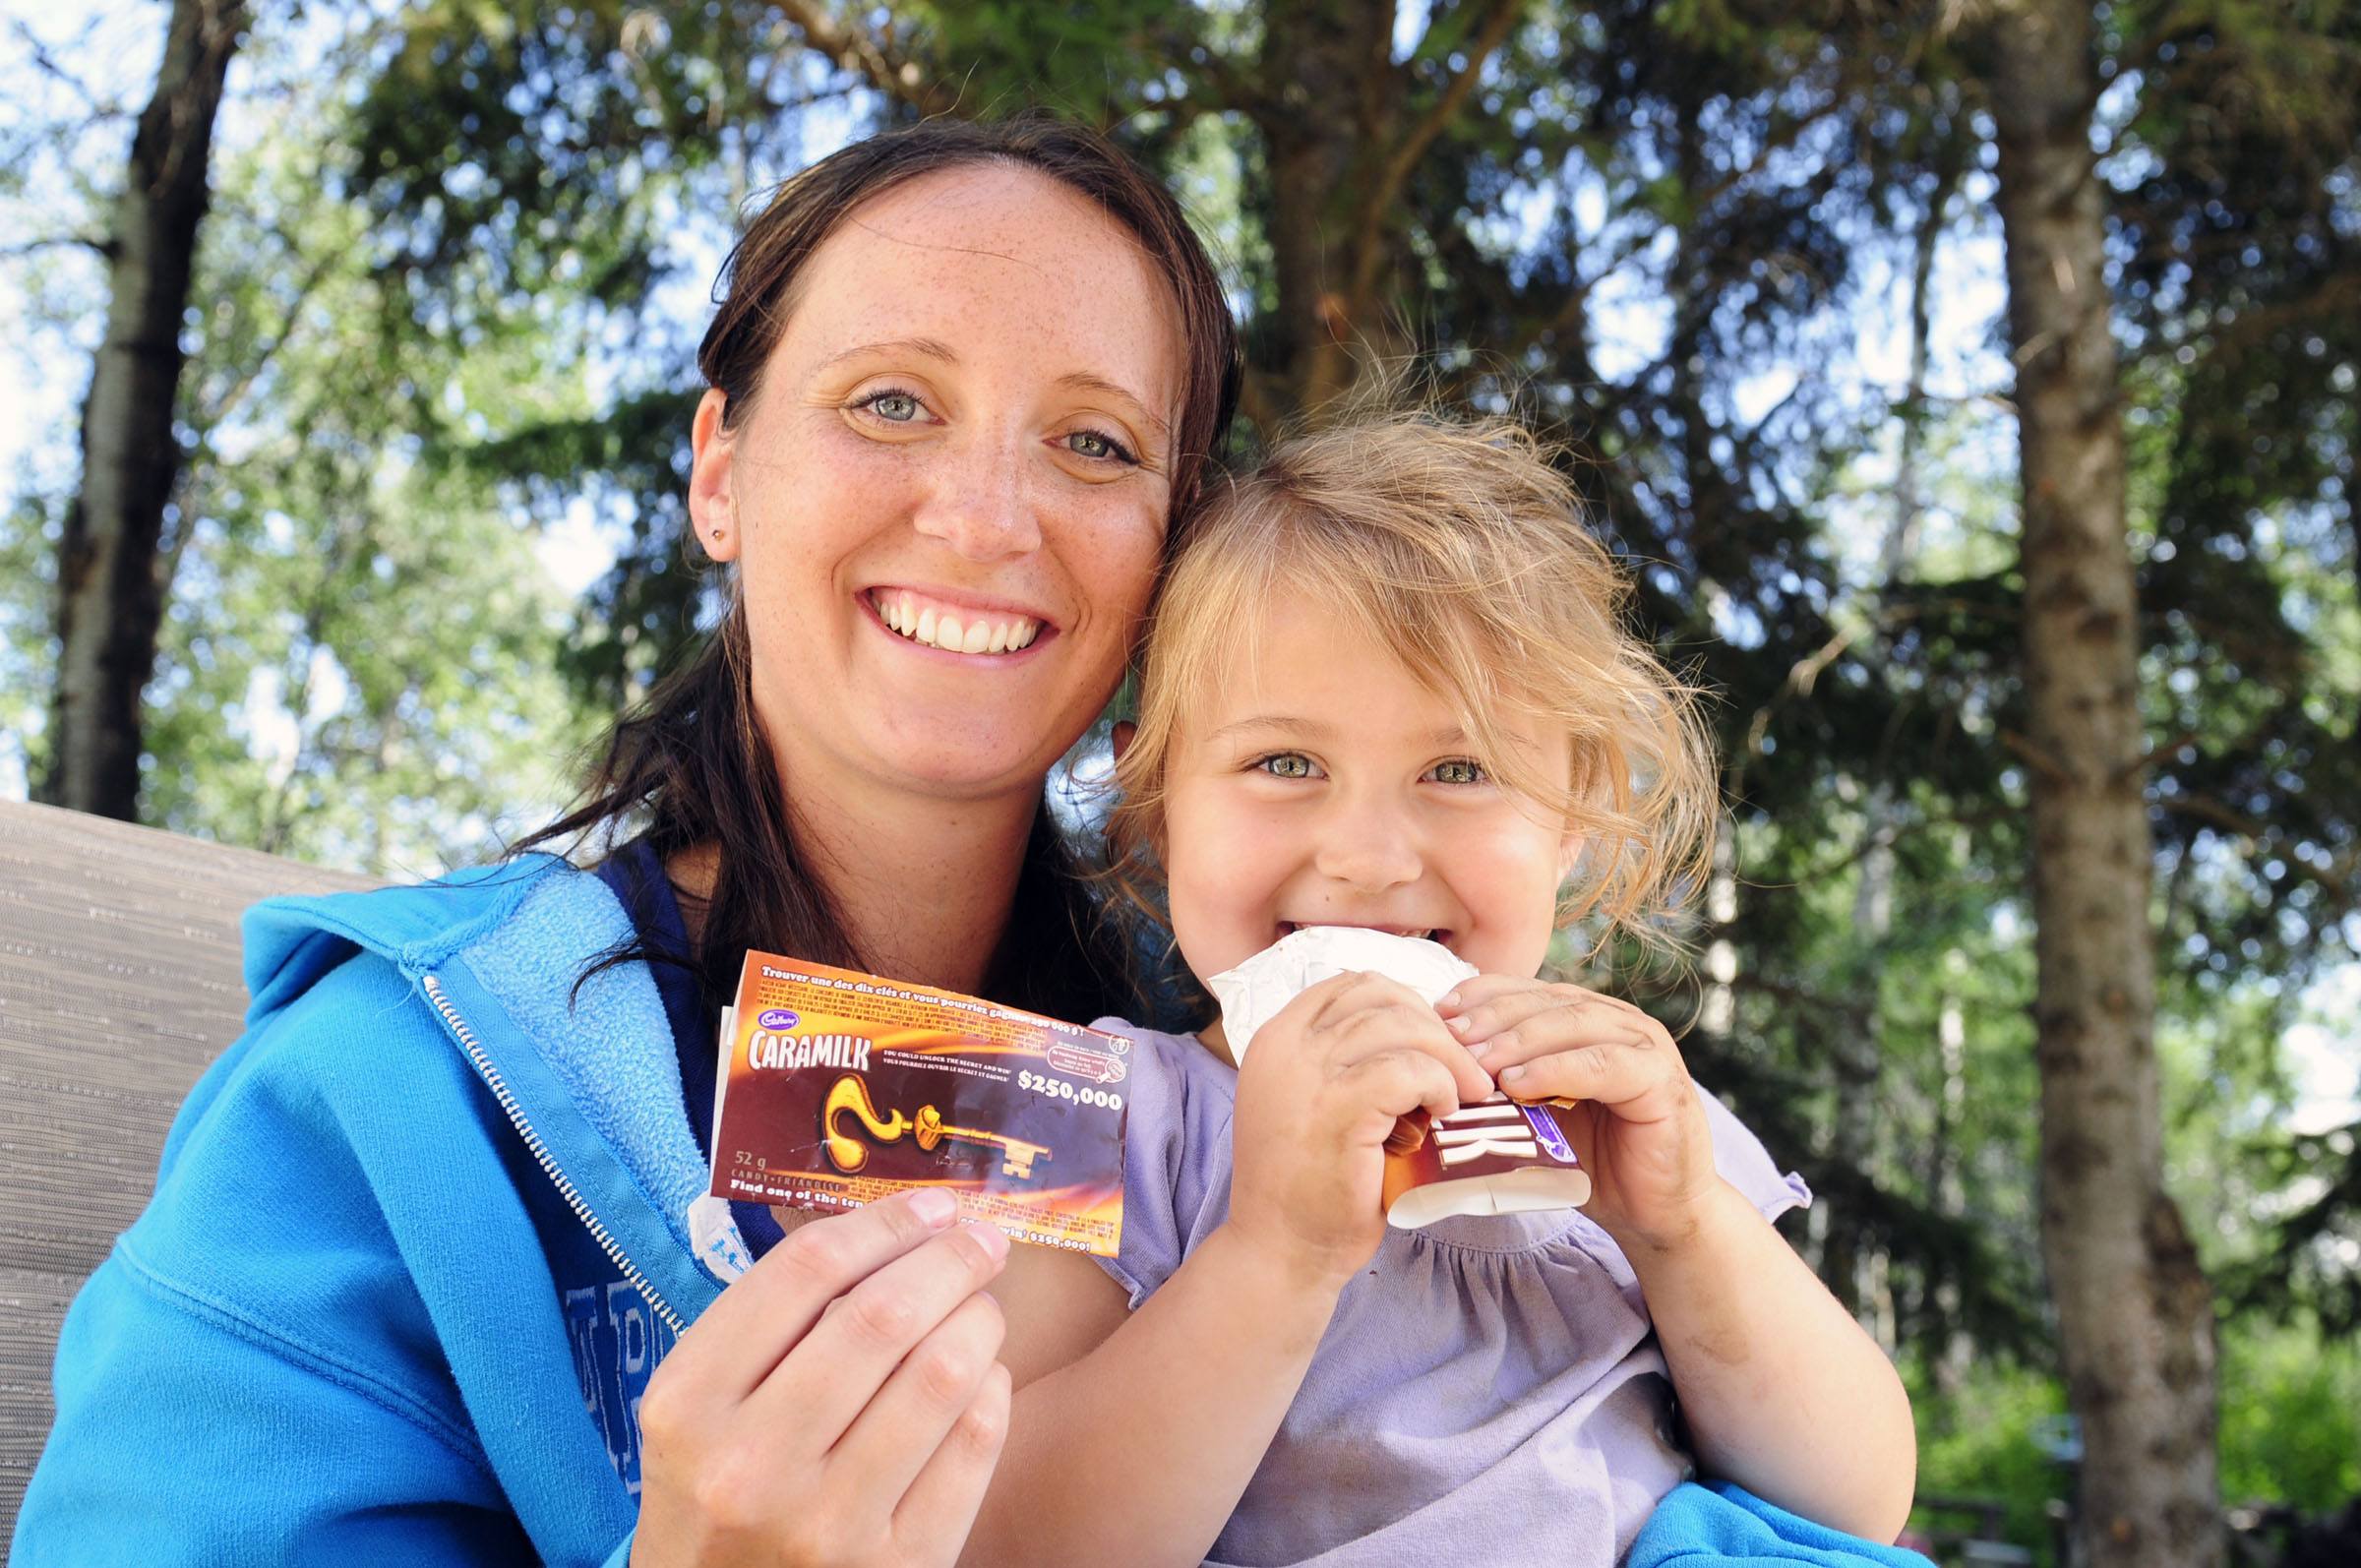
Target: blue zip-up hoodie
334,1335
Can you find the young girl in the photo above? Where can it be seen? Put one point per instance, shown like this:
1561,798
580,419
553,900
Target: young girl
1388,685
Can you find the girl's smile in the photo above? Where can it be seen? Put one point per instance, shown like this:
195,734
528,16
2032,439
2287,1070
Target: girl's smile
1324,785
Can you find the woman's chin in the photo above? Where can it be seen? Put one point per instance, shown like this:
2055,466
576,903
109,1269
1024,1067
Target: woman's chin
968,759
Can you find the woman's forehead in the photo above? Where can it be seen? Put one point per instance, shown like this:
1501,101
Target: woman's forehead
993,260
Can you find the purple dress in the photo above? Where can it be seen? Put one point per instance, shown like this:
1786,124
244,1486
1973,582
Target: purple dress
1489,1390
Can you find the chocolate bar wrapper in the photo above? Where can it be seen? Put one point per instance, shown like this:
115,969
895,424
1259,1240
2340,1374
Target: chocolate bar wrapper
1498,1156
837,1088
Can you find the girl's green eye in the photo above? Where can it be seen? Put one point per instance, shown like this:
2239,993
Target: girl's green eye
1459,770
1286,764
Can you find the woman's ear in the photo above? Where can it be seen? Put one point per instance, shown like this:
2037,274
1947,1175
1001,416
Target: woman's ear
712,502
1122,736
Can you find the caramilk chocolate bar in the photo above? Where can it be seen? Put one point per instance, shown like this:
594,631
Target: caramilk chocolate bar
836,1088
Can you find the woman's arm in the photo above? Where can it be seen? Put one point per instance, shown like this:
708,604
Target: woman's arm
1782,1390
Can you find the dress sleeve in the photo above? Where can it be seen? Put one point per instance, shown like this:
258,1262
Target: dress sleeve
1747,1165
1175,1155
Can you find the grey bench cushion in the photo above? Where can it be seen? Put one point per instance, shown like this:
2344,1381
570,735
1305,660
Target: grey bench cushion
119,980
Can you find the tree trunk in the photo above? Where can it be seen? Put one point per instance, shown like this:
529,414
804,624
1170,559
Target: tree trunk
1334,95
2135,1317
110,594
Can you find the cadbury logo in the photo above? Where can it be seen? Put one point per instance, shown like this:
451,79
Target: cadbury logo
776,1018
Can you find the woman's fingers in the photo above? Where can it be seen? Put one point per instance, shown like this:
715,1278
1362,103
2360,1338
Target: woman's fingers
893,1439
818,1387
940,1507
751,1325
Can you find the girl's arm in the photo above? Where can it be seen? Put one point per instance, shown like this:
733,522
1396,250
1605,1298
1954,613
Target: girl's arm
1139,1451
1130,1440
1782,1390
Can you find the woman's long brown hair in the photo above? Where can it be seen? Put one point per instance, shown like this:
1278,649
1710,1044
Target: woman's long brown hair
691,765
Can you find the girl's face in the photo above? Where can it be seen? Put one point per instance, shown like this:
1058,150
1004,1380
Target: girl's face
1326,786
948,499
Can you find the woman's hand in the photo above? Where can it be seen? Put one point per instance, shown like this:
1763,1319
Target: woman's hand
840,1403
1316,1095
1639,1129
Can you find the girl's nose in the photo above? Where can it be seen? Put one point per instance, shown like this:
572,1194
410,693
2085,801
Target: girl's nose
977,503
1367,846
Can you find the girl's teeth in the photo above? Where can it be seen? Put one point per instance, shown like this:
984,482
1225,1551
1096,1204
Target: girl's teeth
925,625
979,638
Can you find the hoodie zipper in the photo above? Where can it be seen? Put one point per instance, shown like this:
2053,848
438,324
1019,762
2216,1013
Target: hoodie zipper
540,1152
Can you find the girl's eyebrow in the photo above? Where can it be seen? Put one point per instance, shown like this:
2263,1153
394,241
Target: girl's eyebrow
1448,736
1308,729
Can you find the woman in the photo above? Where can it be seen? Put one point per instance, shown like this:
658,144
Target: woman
428,1275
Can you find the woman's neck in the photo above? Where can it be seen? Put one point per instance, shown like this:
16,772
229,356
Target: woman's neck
923,887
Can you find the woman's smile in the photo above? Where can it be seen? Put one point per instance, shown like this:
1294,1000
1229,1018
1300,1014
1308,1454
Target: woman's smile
948,624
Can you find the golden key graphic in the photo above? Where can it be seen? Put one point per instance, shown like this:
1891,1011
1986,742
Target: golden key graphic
847,1153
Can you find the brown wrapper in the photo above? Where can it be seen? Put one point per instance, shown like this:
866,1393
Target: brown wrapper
1498,1156
837,1088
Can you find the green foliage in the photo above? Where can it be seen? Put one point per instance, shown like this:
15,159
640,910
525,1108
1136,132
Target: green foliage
2290,1417
1978,1441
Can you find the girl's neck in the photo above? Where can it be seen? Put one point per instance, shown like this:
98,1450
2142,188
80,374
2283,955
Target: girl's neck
923,887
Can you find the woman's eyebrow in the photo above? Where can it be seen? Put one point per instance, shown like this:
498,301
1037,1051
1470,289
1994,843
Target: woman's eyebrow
931,349
1084,380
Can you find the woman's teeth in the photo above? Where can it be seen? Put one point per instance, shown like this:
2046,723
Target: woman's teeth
977,633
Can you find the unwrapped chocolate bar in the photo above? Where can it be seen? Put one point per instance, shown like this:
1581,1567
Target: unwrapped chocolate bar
1498,1156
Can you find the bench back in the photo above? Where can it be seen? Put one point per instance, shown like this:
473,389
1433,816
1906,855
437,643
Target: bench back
119,982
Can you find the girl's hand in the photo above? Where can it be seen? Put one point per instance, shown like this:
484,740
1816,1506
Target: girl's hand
840,1403
1638,1128
1316,1097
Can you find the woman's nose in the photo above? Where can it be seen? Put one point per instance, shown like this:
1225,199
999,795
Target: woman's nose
978,503
1368,846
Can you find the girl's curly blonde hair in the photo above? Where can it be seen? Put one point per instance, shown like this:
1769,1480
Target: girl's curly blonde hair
1457,544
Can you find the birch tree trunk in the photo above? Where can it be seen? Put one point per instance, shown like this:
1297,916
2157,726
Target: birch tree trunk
110,583
2135,1317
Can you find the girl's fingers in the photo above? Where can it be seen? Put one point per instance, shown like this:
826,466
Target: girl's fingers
1550,1033
750,1326
1410,1025
893,1439
822,1385
1470,994
1559,1012
1614,1075
940,1507
1393,1083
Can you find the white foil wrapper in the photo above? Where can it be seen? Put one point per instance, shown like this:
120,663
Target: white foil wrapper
1253,993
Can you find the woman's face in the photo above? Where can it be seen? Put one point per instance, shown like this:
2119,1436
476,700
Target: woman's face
948,499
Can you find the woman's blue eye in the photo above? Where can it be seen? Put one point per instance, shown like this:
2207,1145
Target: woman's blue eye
1285,764
1098,445
899,407
1459,770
